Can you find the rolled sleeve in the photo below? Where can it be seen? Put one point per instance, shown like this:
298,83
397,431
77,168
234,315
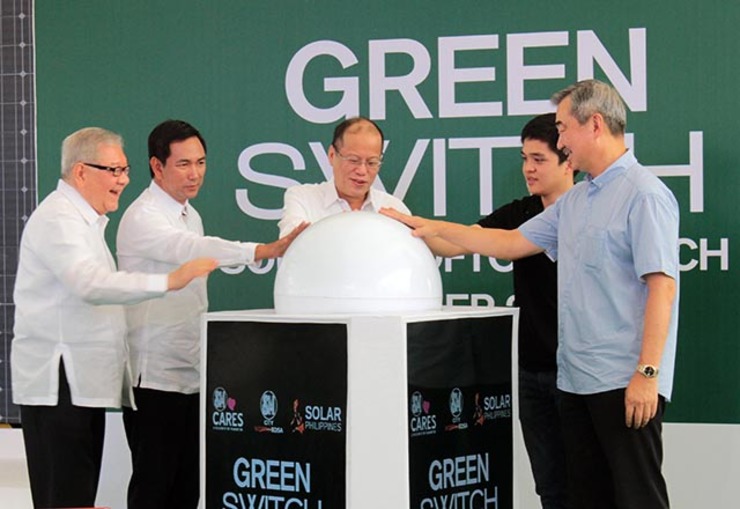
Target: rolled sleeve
654,229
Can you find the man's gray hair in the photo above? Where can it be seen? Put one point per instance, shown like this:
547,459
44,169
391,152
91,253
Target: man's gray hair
82,146
594,96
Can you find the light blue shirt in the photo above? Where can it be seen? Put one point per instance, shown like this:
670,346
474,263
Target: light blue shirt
607,233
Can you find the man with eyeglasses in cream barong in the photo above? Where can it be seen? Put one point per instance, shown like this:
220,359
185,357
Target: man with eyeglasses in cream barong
356,155
68,356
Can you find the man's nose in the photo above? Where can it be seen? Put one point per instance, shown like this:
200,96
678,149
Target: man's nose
193,172
362,168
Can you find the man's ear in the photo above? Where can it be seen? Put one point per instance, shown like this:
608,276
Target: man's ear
156,165
598,124
78,174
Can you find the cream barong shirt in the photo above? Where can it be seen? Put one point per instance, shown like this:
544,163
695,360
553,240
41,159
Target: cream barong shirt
157,234
68,305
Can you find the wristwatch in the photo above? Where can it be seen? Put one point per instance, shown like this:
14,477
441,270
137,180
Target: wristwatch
648,370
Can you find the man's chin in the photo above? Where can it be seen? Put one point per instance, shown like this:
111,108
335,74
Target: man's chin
354,193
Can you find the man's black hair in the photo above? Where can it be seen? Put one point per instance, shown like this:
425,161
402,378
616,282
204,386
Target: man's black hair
167,132
341,128
542,128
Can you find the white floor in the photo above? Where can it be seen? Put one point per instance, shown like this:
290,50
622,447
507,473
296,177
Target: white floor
14,493
702,467
14,486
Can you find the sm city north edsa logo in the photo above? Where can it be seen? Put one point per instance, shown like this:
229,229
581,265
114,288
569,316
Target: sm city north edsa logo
225,416
269,409
422,421
456,404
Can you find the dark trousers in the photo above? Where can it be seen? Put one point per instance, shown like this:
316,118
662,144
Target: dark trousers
539,416
164,441
611,466
64,450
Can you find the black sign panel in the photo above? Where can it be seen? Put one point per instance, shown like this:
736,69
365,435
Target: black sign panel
460,413
275,415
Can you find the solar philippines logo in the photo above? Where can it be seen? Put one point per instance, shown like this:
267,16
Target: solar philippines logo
297,423
493,407
315,418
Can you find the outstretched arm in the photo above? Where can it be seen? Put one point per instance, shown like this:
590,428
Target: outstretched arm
277,248
185,273
502,244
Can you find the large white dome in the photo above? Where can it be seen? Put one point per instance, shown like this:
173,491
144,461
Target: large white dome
357,262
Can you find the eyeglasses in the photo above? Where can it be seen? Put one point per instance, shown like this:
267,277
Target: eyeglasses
372,164
116,171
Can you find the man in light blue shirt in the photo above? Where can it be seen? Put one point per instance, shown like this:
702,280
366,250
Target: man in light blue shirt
615,236
627,233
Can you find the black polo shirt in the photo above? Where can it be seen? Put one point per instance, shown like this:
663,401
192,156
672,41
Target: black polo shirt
535,290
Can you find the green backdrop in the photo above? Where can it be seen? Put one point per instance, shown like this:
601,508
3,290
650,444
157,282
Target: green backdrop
451,83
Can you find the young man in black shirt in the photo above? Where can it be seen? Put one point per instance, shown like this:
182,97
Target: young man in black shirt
548,175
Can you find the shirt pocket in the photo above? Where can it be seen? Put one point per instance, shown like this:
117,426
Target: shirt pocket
593,248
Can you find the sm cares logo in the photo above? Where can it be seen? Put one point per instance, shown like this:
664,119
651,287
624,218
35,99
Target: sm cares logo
225,416
422,422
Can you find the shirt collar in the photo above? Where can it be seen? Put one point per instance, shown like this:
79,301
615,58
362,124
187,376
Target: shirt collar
617,168
171,205
331,196
89,214
329,193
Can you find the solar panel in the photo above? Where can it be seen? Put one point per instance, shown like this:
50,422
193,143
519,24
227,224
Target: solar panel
18,190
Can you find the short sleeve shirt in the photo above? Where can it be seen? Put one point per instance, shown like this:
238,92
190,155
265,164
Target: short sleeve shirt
607,233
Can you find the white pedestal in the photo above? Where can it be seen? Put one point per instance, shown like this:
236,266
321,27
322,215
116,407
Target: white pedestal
358,411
